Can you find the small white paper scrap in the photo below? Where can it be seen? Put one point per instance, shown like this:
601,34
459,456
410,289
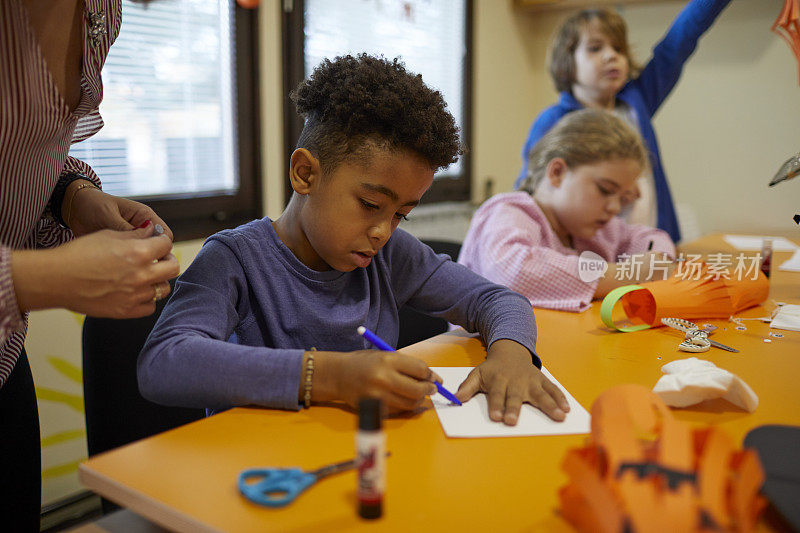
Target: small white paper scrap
788,317
755,242
690,381
792,264
471,420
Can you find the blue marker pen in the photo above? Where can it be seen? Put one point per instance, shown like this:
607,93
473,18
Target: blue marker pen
380,343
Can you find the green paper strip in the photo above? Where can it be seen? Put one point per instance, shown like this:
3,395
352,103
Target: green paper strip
607,308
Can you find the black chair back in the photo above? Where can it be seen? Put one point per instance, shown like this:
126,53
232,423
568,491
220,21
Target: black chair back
416,326
116,413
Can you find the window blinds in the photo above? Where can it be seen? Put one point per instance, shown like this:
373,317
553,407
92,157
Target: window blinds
169,102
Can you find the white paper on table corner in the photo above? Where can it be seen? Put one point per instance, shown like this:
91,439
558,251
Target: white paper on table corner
755,242
471,420
792,264
787,317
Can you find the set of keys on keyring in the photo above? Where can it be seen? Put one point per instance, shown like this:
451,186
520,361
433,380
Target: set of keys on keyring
696,339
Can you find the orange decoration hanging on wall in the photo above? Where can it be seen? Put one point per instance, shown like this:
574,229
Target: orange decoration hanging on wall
787,25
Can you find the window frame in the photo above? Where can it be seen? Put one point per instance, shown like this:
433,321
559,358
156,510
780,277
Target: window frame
445,189
198,215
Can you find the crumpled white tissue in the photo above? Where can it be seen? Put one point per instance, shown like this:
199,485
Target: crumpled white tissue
689,381
787,317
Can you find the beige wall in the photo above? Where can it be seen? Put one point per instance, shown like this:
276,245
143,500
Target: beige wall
272,150
510,86
733,118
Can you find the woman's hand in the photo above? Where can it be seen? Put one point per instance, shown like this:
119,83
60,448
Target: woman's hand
400,381
89,209
509,379
106,274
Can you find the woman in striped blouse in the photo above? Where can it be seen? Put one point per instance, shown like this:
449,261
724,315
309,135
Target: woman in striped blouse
51,54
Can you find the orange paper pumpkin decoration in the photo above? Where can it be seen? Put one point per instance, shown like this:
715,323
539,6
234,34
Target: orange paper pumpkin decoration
704,297
642,470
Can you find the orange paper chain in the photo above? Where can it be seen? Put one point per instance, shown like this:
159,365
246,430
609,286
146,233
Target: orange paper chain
787,25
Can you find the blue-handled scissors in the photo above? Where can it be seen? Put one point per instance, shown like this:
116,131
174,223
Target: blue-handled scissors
276,487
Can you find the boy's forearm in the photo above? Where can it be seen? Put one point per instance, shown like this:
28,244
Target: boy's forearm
189,369
508,349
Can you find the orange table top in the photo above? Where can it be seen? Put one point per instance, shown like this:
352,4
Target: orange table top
185,479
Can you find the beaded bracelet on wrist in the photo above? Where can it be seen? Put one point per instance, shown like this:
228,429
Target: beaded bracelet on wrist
309,374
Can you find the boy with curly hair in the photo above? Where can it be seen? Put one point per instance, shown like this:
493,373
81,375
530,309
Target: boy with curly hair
295,290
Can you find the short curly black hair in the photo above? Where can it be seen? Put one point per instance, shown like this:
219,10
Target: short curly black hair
351,104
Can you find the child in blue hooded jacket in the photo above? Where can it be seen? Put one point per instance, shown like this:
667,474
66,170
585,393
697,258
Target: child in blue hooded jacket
591,66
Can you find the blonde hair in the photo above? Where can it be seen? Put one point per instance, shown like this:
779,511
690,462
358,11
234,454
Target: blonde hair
582,138
561,56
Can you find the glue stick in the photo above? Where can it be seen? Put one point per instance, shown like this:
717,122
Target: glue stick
370,459
766,256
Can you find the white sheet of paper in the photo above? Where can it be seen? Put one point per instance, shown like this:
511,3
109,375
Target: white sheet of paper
471,419
754,243
792,264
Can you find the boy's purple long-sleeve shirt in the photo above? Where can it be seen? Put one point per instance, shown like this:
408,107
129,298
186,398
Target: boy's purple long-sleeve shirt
246,281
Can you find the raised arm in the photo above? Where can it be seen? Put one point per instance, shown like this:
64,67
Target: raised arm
663,70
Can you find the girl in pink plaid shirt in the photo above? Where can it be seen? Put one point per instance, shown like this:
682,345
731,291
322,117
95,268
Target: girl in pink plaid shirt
580,175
